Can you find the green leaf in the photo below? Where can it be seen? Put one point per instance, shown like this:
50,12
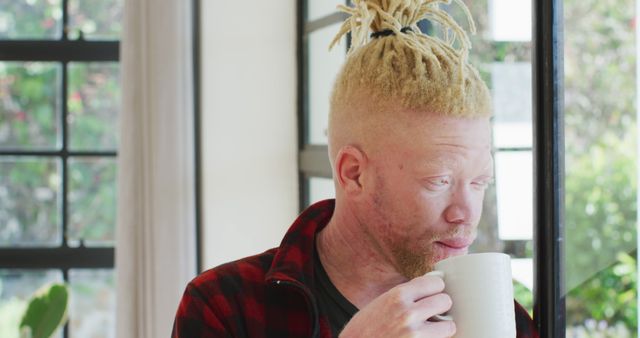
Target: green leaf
46,311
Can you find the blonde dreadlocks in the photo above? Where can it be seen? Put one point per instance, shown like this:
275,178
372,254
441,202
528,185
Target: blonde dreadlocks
391,61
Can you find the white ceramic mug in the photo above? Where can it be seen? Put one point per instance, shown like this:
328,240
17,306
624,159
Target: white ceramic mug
481,288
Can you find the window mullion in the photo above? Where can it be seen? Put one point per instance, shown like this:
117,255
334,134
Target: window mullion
65,20
57,258
42,50
65,157
548,152
65,328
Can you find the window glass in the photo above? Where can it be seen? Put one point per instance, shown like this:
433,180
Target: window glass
29,105
514,191
323,66
30,212
30,19
95,20
511,91
321,188
16,288
93,104
93,303
600,97
521,269
92,201
317,9
510,20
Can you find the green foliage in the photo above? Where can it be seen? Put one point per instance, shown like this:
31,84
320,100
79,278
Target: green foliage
46,312
29,104
31,203
92,200
524,296
94,97
24,19
97,19
29,118
601,169
600,62
600,206
610,296
42,19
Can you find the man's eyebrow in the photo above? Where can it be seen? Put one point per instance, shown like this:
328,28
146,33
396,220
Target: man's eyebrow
461,146
450,145
438,161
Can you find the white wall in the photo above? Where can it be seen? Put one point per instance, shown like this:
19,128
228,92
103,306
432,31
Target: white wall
249,144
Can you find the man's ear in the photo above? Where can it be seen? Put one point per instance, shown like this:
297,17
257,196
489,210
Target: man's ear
350,164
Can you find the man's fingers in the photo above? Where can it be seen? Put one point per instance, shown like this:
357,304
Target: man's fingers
439,329
431,306
419,287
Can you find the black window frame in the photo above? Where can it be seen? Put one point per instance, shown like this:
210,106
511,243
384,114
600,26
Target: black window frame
548,161
62,51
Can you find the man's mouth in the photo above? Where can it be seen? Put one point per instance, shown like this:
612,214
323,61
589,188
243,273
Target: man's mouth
455,246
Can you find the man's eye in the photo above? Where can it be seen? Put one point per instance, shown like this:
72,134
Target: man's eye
437,183
481,185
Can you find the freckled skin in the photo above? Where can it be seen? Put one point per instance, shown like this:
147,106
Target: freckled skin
406,218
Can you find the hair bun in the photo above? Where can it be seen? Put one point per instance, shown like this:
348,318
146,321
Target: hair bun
376,18
401,65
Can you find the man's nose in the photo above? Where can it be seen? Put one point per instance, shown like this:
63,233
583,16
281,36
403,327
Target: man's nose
461,208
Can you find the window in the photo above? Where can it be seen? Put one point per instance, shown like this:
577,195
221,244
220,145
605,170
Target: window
59,105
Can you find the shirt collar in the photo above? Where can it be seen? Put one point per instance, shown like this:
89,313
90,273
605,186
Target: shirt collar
293,261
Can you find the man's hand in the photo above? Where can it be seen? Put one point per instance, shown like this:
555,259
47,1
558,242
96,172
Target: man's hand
403,312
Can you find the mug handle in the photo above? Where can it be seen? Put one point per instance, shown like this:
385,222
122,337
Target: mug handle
438,318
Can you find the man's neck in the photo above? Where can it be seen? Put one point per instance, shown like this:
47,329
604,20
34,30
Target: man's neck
359,271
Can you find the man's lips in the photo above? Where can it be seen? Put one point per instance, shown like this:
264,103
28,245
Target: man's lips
456,243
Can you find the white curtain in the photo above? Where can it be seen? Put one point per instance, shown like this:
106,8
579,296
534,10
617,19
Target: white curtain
155,250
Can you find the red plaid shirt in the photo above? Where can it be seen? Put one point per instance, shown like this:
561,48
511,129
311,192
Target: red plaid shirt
270,294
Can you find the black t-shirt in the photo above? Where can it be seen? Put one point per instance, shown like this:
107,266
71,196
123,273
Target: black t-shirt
330,301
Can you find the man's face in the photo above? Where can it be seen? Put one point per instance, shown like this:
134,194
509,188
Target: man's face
427,185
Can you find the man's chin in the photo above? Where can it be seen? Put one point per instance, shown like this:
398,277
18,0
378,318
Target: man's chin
411,265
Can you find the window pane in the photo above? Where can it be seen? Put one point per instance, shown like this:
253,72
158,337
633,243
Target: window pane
30,19
514,188
93,303
317,9
96,19
29,202
16,288
94,103
320,189
601,105
512,102
92,201
29,105
522,271
510,20
323,67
